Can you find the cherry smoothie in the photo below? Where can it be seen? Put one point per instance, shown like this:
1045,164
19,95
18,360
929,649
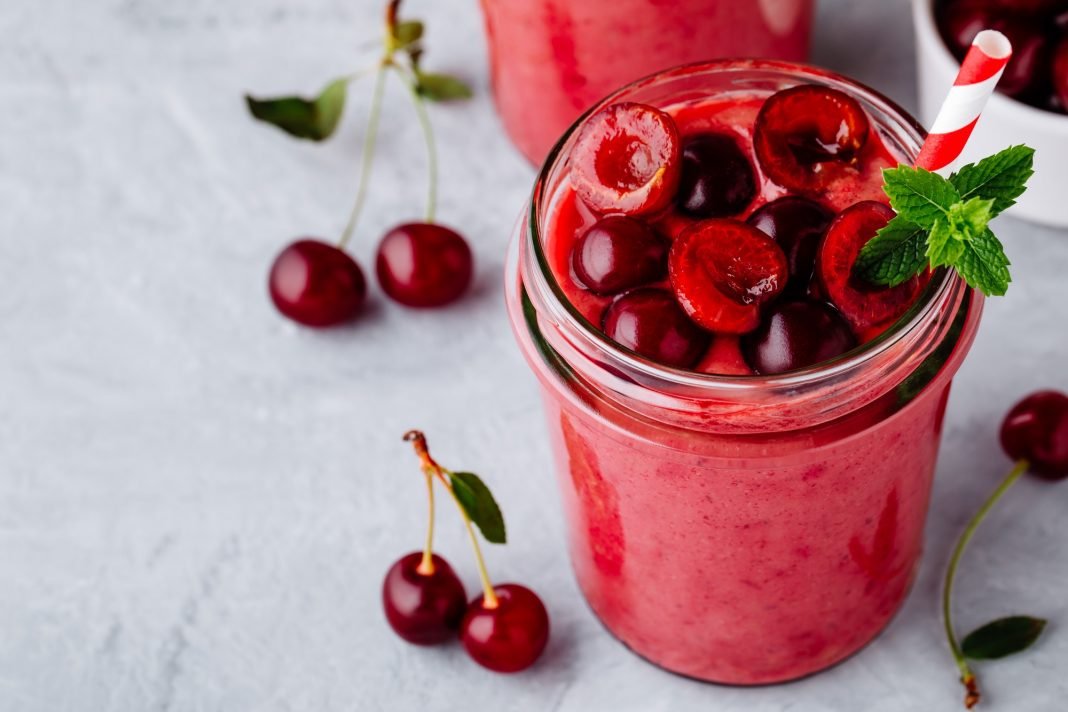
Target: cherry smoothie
744,432
552,59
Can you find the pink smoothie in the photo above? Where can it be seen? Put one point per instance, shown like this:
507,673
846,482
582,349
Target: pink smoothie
743,530
552,59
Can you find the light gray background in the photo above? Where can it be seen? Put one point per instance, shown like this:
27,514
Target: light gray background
198,499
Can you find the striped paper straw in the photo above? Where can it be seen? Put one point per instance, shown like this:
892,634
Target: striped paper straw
979,74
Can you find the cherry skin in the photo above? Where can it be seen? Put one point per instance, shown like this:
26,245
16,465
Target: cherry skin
717,180
316,284
618,253
797,225
1036,429
865,306
650,322
424,264
808,136
424,609
797,335
1060,73
626,160
722,270
510,637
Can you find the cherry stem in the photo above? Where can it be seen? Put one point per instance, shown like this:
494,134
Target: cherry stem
367,159
431,467
967,677
426,566
428,137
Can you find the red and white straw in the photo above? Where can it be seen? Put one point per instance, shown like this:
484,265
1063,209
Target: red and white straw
979,74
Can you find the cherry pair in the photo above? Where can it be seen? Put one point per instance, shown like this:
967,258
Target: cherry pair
506,628
418,265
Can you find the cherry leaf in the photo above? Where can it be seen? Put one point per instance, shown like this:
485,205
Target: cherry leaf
1002,637
479,504
441,87
313,119
407,33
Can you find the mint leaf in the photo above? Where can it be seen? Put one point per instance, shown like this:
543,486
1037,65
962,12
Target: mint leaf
918,195
441,87
896,254
1002,637
313,119
477,500
984,265
407,33
962,223
1001,177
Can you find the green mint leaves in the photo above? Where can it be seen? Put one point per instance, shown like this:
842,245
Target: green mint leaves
943,222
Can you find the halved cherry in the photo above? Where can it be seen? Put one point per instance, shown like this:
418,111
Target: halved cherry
722,270
626,160
724,358
807,136
863,305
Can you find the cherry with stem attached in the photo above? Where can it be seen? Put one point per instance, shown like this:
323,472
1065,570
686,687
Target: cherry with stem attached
507,627
1035,435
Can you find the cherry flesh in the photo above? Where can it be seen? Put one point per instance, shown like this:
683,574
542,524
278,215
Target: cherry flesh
424,264
722,270
424,609
717,180
797,225
863,305
650,322
618,253
807,136
316,284
797,335
509,637
724,358
1036,429
626,160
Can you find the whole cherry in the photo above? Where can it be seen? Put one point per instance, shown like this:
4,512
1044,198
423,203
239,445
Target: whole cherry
509,635
1036,430
618,253
316,284
424,604
424,264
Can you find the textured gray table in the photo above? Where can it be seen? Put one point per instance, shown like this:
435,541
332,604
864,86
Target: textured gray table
198,500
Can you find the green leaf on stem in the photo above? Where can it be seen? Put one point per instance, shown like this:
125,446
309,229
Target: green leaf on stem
918,195
407,33
1001,177
441,87
1002,637
313,119
478,502
897,253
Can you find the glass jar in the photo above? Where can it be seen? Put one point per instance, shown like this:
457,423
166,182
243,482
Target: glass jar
742,530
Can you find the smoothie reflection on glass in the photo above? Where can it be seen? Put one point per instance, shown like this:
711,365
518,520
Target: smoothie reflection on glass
552,59
744,435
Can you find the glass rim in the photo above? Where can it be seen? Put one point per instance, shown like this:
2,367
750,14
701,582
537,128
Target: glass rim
938,290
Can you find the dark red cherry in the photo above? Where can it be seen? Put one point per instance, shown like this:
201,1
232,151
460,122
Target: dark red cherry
424,264
1036,429
797,335
1060,73
717,180
807,136
650,322
619,253
424,609
510,637
316,284
626,160
797,225
722,270
863,305
961,20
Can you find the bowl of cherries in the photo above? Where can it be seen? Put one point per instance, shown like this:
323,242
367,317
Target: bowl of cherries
1031,103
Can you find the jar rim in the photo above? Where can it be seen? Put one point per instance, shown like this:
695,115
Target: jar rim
940,289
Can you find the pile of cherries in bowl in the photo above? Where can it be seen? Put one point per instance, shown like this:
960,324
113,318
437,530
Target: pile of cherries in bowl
1037,74
693,277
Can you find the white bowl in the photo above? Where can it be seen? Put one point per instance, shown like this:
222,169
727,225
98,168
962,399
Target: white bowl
1004,122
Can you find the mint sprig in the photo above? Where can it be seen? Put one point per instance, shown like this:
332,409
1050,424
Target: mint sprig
943,222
